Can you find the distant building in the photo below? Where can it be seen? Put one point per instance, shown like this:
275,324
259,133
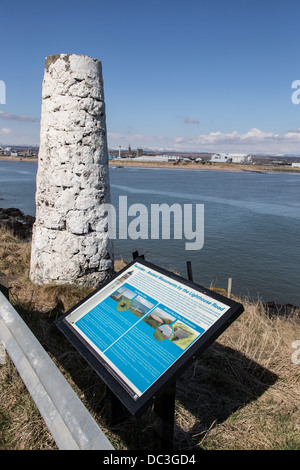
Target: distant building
220,158
296,165
240,158
160,158
152,158
139,152
231,158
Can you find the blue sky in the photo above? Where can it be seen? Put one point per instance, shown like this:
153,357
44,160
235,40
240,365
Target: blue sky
184,75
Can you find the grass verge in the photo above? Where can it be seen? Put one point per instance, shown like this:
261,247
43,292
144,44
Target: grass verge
242,393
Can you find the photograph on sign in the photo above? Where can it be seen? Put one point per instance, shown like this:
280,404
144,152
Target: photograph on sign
142,323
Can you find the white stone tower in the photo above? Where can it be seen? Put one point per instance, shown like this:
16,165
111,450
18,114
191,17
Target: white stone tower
70,243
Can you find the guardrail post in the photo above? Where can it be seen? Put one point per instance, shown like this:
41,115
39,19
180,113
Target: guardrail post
229,287
189,270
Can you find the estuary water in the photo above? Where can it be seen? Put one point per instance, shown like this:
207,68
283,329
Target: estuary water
251,223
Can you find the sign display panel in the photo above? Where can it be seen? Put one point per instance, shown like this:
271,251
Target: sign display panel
142,328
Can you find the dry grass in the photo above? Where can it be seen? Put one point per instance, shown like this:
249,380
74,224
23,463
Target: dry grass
21,426
242,393
14,255
246,386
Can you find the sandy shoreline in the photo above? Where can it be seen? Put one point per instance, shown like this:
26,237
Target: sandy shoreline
205,167
184,166
18,159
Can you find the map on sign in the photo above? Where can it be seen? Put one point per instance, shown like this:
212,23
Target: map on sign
143,324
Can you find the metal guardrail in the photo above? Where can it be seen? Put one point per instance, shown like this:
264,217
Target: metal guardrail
69,422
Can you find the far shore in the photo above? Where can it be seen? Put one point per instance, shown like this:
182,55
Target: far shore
183,165
18,159
206,166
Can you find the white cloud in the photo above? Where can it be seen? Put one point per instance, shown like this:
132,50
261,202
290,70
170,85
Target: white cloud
5,131
12,137
252,141
16,117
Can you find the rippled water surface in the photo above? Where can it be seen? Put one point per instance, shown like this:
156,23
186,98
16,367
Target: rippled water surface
251,223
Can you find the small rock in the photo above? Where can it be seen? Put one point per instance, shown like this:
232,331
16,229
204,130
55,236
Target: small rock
14,220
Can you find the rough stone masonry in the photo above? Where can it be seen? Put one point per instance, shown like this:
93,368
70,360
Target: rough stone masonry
70,243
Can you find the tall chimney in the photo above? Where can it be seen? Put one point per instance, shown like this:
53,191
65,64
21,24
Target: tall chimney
70,243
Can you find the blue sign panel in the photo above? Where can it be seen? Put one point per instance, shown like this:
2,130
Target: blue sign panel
144,324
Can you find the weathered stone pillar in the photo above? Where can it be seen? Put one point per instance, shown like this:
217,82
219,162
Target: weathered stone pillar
69,243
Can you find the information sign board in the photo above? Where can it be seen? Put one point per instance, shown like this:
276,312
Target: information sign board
141,329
